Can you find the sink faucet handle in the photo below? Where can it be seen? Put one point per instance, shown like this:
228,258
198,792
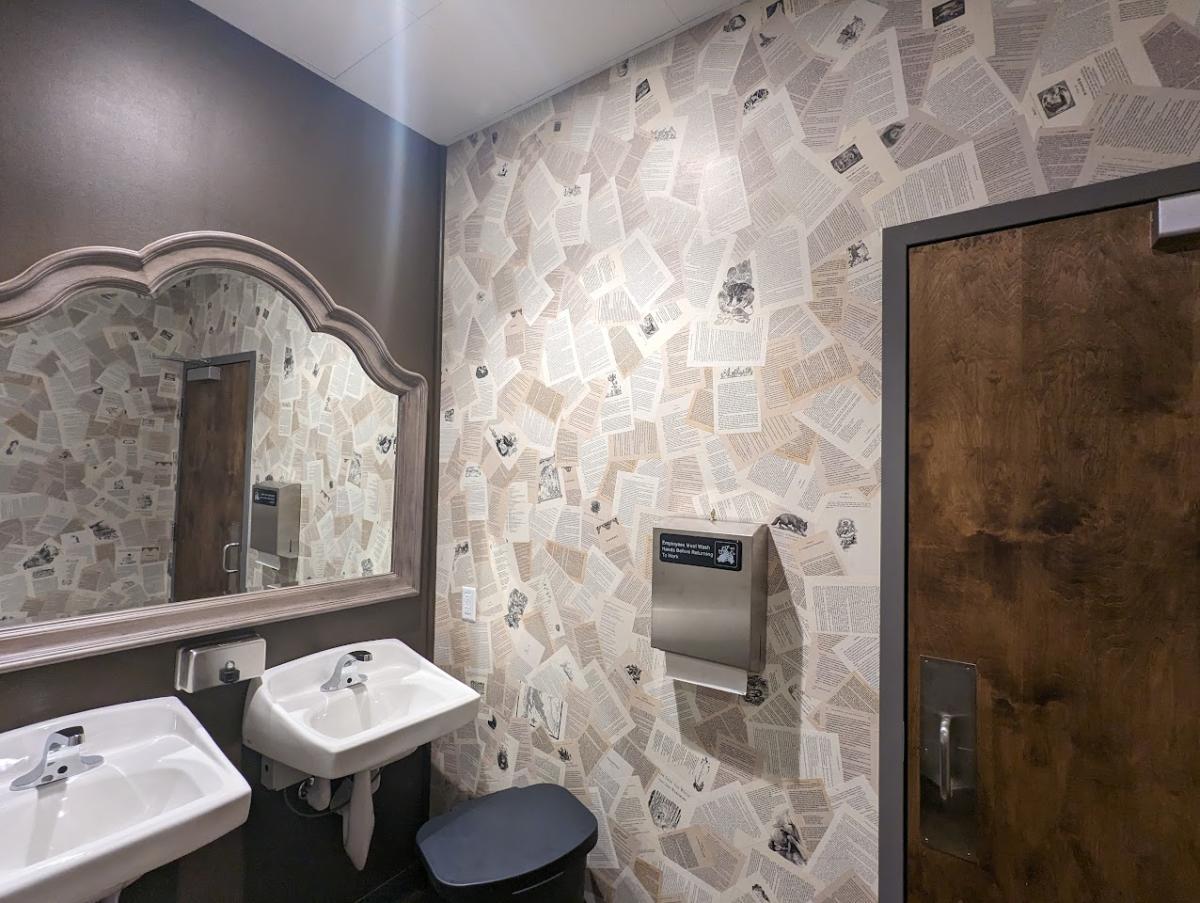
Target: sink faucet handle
346,673
60,760
67,736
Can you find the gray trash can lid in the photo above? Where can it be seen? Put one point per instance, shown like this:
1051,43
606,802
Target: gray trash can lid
506,838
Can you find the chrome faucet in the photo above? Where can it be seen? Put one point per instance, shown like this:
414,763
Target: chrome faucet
346,673
62,757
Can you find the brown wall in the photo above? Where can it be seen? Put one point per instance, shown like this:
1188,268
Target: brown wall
122,121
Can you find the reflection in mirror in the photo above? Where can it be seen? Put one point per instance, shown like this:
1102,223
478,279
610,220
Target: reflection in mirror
198,443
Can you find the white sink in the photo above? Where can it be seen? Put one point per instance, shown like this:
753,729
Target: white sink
162,790
404,703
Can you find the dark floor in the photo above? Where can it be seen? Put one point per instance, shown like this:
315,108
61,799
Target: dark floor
407,888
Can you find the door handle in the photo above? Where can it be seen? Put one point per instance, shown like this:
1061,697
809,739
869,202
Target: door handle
944,789
948,778
225,557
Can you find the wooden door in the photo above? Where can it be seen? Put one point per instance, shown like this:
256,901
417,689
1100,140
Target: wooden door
1054,535
212,483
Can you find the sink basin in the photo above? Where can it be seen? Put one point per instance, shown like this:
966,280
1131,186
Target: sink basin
405,702
163,790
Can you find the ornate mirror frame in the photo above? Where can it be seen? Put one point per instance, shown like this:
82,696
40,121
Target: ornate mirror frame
51,281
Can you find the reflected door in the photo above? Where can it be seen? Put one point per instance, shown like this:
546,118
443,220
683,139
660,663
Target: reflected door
1053,749
210,520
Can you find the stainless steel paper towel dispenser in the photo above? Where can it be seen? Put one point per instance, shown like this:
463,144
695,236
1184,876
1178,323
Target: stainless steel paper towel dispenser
275,519
709,591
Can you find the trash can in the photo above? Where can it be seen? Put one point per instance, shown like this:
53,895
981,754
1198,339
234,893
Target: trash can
527,843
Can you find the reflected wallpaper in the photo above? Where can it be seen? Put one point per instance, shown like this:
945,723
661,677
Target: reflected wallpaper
89,422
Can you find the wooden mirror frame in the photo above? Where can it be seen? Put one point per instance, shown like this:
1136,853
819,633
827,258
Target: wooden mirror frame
51,281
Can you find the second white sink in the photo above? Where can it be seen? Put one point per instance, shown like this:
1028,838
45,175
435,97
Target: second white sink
405,702
161,790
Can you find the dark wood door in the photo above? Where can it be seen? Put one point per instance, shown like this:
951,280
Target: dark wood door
212,483
1054,535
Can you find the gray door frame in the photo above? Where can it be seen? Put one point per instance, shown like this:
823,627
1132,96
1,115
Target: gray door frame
893,624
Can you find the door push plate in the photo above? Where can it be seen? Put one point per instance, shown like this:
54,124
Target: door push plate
948,774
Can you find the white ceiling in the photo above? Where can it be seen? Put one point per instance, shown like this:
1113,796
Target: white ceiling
448,67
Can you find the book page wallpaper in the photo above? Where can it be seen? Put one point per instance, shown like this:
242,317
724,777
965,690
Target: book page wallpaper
89,438
662,297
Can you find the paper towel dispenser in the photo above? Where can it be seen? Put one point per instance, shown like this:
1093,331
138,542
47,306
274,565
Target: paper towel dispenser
709,599
275,518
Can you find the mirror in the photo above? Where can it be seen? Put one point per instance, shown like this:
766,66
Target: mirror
201,441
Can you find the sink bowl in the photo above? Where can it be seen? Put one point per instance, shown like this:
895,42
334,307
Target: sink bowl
163,790
405,702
